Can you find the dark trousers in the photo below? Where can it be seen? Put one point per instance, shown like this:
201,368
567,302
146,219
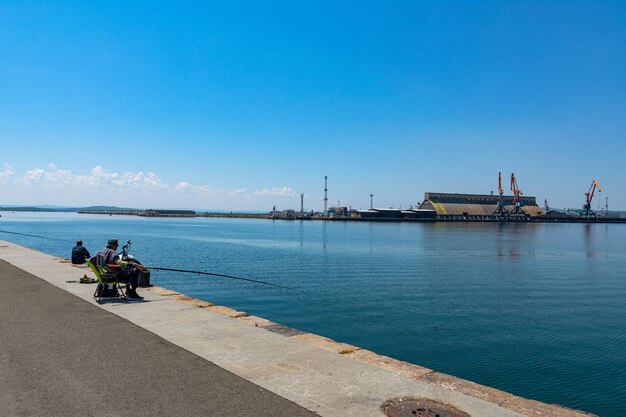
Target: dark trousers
130,277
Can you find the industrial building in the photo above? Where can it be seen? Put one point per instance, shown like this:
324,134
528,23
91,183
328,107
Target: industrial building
380,213
476,206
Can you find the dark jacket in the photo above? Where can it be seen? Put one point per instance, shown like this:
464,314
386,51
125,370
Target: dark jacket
79,253
106,256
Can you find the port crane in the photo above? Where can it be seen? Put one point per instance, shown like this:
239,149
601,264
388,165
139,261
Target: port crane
517,201
500,210
587,212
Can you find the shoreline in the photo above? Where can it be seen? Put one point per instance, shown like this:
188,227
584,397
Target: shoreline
447,219
325,376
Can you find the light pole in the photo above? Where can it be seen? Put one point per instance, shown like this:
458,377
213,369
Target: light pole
325,195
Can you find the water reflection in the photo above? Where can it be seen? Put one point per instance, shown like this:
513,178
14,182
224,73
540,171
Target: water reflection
370,235
589,240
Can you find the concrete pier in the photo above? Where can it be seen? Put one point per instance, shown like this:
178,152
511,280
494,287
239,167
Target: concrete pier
182,356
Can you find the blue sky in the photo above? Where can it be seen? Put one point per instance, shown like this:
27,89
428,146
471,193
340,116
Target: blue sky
245,105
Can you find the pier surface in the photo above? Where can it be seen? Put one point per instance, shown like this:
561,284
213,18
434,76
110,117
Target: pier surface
61,353
61,356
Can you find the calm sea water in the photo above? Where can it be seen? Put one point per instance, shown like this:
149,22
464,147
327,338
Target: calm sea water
538,310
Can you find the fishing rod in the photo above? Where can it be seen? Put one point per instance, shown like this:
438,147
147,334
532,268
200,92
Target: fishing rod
126,257
41,237
188,271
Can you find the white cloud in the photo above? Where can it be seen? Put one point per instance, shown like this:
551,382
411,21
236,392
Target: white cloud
139,180
238,192
187,188
34,176
182,187
204,189
276,192
6,174
53,184
98,178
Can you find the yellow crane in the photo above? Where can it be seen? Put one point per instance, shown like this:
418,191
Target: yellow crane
517,201
500,210
588,198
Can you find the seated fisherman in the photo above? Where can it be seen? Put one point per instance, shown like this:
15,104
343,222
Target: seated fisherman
79,253
127,272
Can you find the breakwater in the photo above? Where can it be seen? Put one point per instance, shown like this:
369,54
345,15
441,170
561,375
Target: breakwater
356,218
143,213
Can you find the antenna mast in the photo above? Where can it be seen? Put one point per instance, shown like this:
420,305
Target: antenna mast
325,195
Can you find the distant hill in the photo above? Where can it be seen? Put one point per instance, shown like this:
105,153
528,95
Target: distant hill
64,209
105,208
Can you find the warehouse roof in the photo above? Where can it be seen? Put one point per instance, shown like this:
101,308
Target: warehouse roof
475,204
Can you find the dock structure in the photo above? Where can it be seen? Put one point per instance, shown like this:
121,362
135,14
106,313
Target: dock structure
411,214
254,366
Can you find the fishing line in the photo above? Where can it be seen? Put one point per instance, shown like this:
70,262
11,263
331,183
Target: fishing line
188,271
41,237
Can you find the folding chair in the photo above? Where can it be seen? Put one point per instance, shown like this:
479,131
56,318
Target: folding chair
107,281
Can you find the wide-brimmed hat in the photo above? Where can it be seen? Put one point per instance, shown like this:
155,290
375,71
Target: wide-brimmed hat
111,243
